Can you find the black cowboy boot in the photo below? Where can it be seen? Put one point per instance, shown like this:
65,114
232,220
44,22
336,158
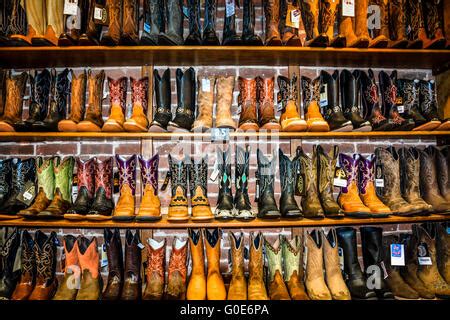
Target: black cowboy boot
91,35
173,35
194,38
75,25
241,201
154,22
428,104
265,177
209,30
5,12
163,95
5,180
402,105
249,38
8,255
14,24
186,91
230,37
224,209
288,206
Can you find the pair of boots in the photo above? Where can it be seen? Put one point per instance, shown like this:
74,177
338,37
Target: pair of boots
290,119
82,279
155,268
38,272
9,273
124,279
54,195
163,22
209,286
123,26
276,30
209,32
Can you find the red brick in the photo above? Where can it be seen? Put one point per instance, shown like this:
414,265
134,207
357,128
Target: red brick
127,148
101,148
57,149
17,149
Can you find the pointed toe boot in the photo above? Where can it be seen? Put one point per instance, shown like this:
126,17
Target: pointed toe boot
177,274
311,19
443,247
130,23
138,121
154,22
114,253
225,88
293,267
118,103
13,108
354,29
198,189
248,118
178,174
132,284
290,119
311,98
428,104
242,204
275,280
267,206
238,285
442,166
28,271
256,286
91,280
194,37
9,254
206,88
173,34
215,288
272,19
124,210
115,17
77,104
155,270
90,31
162,114
68,287
224,208
266,108
93,121
209,26
289,34
186,108
103,203
249,37
150,208
328,14
230,37
196,289
288,206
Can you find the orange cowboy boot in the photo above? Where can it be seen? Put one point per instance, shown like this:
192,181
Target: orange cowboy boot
196,289
124,210
91,280
118,101
69,286
154,273
93,120
150,208
290,119
215,288
238,284
311,97
176,282
256,285
139,98
293,267
178,174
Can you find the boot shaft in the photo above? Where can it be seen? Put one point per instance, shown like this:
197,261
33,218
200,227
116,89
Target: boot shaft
197,251
2,90
307,175
288,169
198,176
156,258
292,251
410,172
175,17
247,99
326,169
274,257
154,16
5,177
86,175
45,255
427,97
139,93
149,172
310,91
248,18
132,255
88,256
330,85
178,259
366,173
389,92
163,92
95,88
328,13
178,175
372,245
442,163
8,252
349,92
114,253
27,258
118,93
15,91
314,245
127,172
432,10
14,19
391,170
78,97
397,27
130,17
186,93
104,177
210,16
212,248
288,90
237,254
347,241
408,92
71,252
310,17
224,167
40,83
46,176
265,95
63,176
256,263
241,176
368,96
266,175
22,172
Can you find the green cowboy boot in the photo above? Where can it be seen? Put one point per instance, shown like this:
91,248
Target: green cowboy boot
293,267
277,287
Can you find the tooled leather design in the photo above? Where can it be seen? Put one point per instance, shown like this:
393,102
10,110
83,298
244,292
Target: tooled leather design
28,262
397,15
114,18
287,176
3,17
78,97
6,248
371,96
130,17
327,167
428,172
178,172
44,262
177,262
308,18
390,96
46,177
314,265
149,172
432,17
210,15
40,93
95,87
118,92
310,91
256,259
17,20
428,99
63,177
266,176
288,90
265,95
15,90
5,176
412,171
25,170
139,89
85,175
61,91
272,15
275,259
156,261
443,178
241,175
415,19
410,95
127,172
198,177
247,100
194,17
104,176
332,259
292,257
366,173
308,167
155,8
237,255
391,190
328,14
224,167
351,169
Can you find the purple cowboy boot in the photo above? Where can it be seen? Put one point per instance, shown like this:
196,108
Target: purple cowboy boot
150,209
103,202
124,210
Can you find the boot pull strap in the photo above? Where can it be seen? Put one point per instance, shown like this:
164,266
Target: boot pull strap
166,181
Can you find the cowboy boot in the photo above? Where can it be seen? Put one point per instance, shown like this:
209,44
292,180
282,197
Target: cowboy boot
289,34
433,22
256,286
178,174
277,287
428,104
328,14
329,85
113,248
53,19
377,20
249,38
366,186
86,188
176,281
103,203
45,255
350,103
15,91
247,104
14,25
91,280
443,247
204,121
354,29
265,183
311,99
306,184
70,284
290,119
150,208
196,289
30,24
333,273
77,103
238,285
272,21
163,95
293,267
46,188
198,189
326,167
93,121
130,23
132,286
442,163
186,91
124,210
225,87
209,33
5,180
2,90
91,30
224,209
5,12
62,198
288,205
215,288
154,272
115,16
154,22
173,36
266,108
315,281
310,17
9,277
230,37
74,25
28,271
397,24
139,99
241,200
118,102
446,22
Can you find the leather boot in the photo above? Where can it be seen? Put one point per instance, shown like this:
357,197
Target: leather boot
15,91
375,256
290,119
225,87
62,198
306,185
209,29
198,189
33,24
53,21
154,22
2,90
150,208
77,103
354,29
230,37
333,110
334,280
256,285
241,200
118,105
93,121
289,35
433,22
326,167
377,20
28,271
272,20
310,17
70,284
46,188
397,26
5,12
265,180
410,180
176,281
14,24
293,267
173,36
90,36
275,280
249,38
446,22
315,281
124,210
366,186
196,289
86,189
115,16
162,114
391,194
443,163
204,121
113,246
9,253
186,91
329,10
266,108
155,270
139,99
91,280
74,25
103,203
443,247
215,288
5,181
130,23
311,98
132,286
428,104
45,255
224,209
178,174
288,206
238,285
247,103
350,103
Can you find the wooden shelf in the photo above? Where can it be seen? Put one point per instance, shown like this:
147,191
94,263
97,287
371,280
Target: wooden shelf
38,57
255,224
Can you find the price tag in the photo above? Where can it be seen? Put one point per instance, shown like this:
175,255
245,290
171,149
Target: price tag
295,18
215,173
423,255
71,7
229,8
397,254
341,257
401,109
27,195
98,13
206,85
140,246
220,134
324,95
348,8
147,27
104,257
379,183
340,182
425,261
74,193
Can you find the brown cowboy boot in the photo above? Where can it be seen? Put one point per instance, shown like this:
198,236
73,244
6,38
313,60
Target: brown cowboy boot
77,104
377,23
154,273
132,286
53,10
130,23
432,10
256,285
204,119
310,15
289,34
354,29
176,282
118,103
93,120
443,247
311,98
248,119
272,15
139,99
238,285
112,36
114,253
397,25
266,108
215,288
70,284
328,13
15,91
225,87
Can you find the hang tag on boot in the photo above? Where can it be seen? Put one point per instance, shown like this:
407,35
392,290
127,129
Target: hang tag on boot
206,85
230,8
293,17
71,7
101,15
399,104
28,194
215,172
324,95
397,254
348,8
423,255
104,256
379,176
340,178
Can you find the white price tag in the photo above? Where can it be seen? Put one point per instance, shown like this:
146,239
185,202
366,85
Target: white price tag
70,7
214,174
27,196
348,8
220,134
425,261
295,18
140,246
324,95
206,85
379,183
98,13
230,8
104,258
397,254
74,192
401,109
340,182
